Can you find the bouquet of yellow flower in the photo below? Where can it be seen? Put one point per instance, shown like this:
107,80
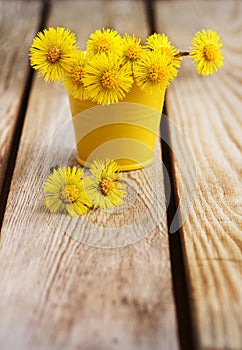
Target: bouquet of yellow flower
105,72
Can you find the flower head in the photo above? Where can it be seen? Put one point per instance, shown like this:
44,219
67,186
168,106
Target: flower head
107,79
154,71
132,48
64,191
104,189
105,40
73,80
206,52
161,43
52,53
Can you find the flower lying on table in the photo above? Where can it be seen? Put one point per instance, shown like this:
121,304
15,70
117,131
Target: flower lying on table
105,189
111,64
66,190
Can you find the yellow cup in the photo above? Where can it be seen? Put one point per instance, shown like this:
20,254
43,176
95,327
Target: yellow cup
125,131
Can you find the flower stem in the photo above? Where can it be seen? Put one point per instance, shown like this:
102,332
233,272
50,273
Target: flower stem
182,53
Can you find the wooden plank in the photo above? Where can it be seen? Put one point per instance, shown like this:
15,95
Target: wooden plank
208,113
58,292
18,22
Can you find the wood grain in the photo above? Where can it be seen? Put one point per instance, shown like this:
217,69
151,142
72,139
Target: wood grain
18,24
208,113
58,292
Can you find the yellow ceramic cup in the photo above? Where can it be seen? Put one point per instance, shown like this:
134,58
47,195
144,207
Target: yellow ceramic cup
125,131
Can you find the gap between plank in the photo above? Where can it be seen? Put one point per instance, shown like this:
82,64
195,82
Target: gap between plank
150,15
183,308
19,123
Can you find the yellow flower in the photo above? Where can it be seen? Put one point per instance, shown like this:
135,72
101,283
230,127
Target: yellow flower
132,48
107,79
154,71
105,190
64,191
73,80
52,51
206,52
105,40
160,42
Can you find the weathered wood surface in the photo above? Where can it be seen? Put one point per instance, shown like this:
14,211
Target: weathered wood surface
58,292
18,24
208,112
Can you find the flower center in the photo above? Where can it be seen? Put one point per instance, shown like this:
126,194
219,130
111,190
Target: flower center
69,194
53,54
77,75
103,45
110,79
106,186
157,73
210,52
133,52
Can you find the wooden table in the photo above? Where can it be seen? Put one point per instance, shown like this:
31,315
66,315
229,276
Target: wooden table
177,284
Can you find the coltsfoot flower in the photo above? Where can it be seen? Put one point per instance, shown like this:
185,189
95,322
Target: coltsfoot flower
161,43
104,189
107,80
154,71
52,53
132,49
105,40
73,81
206,52
64,191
